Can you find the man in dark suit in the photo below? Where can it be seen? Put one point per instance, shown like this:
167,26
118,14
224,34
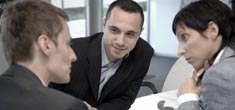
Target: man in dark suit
36,43
111,65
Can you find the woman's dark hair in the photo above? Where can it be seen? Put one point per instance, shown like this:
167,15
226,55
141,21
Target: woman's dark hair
198,14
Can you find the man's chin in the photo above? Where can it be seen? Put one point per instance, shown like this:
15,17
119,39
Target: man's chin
63,81
119,56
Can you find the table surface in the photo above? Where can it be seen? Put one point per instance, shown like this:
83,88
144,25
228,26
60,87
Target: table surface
150,102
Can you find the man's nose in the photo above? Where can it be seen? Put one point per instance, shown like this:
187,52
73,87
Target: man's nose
120,39
73,56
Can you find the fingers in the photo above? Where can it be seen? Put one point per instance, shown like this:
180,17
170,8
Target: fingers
192,84
189,86
88,105
198,74
206,65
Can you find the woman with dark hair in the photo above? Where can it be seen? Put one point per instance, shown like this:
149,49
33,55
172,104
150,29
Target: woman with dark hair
205,32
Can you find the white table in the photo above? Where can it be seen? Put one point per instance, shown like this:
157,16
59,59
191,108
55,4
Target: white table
150,102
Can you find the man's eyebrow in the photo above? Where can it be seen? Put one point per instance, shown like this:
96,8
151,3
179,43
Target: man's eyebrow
113,27
131,31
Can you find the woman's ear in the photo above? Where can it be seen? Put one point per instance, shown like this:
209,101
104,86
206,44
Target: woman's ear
212,31
44,44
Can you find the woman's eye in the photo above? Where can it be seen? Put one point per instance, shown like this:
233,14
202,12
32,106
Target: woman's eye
184,38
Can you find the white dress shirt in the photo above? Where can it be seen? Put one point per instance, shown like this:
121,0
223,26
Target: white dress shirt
107,69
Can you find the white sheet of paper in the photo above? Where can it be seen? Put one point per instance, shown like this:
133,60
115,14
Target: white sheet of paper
150,102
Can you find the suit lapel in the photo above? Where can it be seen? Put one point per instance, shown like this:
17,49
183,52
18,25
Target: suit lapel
94,61
228,52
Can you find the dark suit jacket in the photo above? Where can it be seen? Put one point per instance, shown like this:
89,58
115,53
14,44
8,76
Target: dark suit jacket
120,91
218,86
20,89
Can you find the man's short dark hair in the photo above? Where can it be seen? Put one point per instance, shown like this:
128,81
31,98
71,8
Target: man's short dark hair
23,21
128,6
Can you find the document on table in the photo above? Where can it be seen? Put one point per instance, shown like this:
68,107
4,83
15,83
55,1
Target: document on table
152,102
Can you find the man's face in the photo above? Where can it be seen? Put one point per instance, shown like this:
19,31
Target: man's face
121,32
61,58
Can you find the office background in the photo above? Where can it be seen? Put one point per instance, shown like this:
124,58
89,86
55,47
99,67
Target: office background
86,17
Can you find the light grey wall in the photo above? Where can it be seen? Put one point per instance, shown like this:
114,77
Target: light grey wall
162,38
94,16
3,62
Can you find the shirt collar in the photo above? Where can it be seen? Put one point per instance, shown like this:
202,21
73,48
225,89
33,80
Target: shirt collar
218,56
105,59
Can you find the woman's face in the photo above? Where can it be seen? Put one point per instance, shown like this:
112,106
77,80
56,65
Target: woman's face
197,47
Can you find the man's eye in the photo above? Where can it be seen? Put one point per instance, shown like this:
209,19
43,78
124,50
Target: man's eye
114,30
131,34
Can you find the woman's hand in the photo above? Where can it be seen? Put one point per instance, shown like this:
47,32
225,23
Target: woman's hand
89,106
192,84
197,75
189,86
